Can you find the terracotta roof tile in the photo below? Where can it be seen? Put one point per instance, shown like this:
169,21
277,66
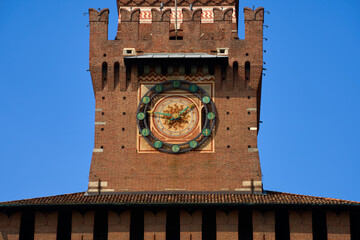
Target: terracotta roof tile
269,198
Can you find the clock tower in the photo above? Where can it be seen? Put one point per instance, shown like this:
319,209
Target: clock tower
176,121
177,98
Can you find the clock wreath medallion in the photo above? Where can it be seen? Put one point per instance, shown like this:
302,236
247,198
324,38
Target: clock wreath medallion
169,122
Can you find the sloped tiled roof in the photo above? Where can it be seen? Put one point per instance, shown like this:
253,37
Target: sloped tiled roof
269,198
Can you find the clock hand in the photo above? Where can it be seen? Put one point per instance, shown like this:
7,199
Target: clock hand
177,116
188,107
166,114
182,111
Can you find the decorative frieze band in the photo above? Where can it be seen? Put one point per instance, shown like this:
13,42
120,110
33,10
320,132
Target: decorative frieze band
207,15
145,15
180,17
190,78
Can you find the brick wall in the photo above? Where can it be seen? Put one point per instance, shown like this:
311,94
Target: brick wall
300,224
226,225
46,225
190,225
82,225
155,225
264,225
9,226
338,225
119,225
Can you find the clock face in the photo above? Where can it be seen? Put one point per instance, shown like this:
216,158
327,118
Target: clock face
176,116
173,131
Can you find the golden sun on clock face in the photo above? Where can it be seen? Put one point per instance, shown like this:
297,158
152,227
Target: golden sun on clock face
169,131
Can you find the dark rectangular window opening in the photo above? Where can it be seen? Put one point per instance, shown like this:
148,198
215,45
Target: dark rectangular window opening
188,69
164,68
245,228
247,73
211,69
104,70
319,224
355,225
282,228
116,74
137,225
223,72
173,224
128,75
64,226
27,226
209,224
176,38
176,34
101,225
140,69
235,71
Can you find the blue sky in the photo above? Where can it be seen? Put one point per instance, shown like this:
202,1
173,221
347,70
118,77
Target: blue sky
309,138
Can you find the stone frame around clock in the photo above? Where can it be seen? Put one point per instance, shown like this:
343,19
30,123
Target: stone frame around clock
167,86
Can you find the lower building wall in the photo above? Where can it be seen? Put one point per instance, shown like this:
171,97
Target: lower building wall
263,225
300,225
10,226
338,225
119,225
82,227
155,225
46,225
190,225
